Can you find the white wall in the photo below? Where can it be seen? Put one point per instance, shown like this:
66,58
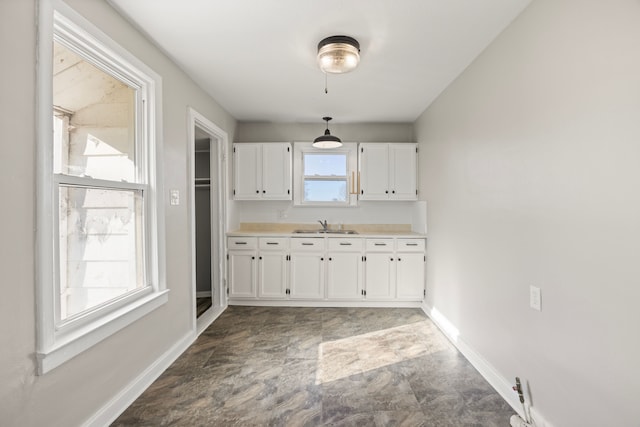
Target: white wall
530,165
71,393
365,213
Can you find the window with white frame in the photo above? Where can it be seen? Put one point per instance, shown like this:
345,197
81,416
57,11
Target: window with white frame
99,236
325,177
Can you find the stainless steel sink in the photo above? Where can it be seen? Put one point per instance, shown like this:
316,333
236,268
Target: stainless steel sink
325,232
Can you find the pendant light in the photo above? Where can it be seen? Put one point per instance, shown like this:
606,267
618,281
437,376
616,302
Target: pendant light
327,140
338,54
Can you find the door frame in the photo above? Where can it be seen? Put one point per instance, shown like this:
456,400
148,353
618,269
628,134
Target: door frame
219,140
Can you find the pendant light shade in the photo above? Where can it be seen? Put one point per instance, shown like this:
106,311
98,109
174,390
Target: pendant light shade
338,54
327,140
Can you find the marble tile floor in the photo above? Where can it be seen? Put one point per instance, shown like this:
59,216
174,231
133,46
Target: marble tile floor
285,366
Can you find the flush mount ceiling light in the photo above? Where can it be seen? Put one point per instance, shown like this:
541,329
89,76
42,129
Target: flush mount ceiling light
327,140
338,54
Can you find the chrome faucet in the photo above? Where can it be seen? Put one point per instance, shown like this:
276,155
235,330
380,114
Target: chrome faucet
324,225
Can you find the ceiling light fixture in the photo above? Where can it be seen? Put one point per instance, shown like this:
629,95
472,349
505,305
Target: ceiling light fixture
327,140
338,54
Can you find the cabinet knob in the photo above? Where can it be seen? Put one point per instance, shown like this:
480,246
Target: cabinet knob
258,191
263,191
399,259
386,191
393,192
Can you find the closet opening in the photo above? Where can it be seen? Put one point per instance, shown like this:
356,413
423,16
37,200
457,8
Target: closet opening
208,170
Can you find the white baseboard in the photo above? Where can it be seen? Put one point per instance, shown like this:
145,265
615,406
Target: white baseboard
493,377
116,406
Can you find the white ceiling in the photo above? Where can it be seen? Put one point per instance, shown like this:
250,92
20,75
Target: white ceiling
257,58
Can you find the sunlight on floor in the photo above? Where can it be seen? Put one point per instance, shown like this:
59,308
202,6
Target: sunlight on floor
363,353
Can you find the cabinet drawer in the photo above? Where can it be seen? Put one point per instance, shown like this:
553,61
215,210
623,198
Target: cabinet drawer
273,243
307,244
242,242
345,245
410,245
379,245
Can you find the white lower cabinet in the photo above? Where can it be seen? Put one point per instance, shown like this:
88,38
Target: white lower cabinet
379,269
306,268
326,269
395,273
410,269
242,267
344,269
272,268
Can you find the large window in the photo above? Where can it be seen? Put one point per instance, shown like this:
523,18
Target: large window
98,196
325,177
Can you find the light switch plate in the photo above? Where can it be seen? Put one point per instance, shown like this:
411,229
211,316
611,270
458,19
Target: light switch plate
535,298
174,197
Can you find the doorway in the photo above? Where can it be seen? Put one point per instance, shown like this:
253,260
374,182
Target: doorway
207,167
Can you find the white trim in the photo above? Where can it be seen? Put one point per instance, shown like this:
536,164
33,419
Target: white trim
58,343
203,294
299,149
488,372
121,401
221,139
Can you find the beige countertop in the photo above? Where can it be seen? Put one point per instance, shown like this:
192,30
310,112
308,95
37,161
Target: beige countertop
287,230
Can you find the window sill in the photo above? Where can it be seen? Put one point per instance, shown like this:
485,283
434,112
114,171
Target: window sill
87,336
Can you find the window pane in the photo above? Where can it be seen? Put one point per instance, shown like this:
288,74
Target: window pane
100,247
325,191
94,113
325,164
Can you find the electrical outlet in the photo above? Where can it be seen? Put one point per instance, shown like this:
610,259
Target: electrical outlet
535,298
174,197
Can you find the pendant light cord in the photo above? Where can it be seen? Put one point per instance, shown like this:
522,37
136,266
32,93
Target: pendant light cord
326,90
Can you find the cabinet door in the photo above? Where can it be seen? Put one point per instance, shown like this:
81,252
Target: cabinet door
242,274
276,171
380,276
374,172
410,276
403,166
306,275
247,171
272,275
344,276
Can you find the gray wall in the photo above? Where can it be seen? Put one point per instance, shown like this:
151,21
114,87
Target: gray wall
530,167
73,392
301,132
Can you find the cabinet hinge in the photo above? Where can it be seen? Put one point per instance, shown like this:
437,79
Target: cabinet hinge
234,149
227,291
424,292
227,257
416,149
288,149
234,192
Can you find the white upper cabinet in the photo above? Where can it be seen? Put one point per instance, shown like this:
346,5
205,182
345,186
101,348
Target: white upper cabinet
388,171
262,171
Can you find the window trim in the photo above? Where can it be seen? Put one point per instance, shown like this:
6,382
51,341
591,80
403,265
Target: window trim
301,148
58,342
